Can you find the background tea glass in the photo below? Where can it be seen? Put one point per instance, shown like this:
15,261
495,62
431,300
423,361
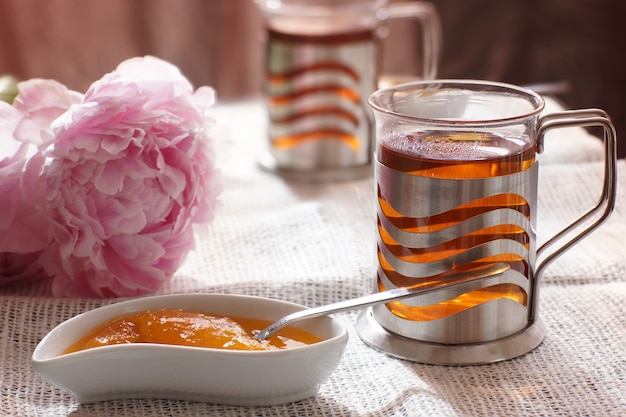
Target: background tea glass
456,182
323,60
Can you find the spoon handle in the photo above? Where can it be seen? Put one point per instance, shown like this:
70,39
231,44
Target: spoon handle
394,294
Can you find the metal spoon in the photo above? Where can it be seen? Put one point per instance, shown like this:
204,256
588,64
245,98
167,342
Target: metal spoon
383,297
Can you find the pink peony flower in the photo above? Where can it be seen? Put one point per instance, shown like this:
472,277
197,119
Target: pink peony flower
131,170
24,130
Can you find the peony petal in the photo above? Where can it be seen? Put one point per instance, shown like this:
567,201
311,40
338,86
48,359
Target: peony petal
120,215
41,102
9,118
23,226
203,99
20,267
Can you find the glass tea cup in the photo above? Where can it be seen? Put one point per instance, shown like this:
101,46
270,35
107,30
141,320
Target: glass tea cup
323,60
456,181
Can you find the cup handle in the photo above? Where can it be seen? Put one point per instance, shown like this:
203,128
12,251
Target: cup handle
596,215
425,14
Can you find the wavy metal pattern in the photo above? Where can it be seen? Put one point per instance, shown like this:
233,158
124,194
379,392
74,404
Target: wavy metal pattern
316,94
469,225
317,87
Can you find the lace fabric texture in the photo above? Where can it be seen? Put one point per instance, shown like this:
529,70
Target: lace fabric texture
315,244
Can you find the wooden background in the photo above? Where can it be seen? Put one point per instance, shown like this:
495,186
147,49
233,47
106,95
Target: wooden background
218,43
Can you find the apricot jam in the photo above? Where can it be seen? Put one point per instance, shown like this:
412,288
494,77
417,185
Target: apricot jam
186,328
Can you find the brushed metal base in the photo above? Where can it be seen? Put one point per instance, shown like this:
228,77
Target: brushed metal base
402,347
268,163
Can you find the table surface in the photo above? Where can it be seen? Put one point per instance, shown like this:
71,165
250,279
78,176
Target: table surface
315,243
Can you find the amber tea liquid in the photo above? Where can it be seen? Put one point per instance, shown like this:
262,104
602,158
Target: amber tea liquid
453,156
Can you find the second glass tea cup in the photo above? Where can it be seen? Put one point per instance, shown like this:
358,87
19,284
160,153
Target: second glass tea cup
323,60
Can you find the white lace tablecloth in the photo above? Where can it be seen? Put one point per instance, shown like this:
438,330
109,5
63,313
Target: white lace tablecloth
315,244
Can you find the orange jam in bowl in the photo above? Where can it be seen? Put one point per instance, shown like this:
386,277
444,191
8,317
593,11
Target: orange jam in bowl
187,328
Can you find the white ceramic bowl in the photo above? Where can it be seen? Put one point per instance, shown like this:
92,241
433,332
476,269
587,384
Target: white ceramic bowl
145,370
